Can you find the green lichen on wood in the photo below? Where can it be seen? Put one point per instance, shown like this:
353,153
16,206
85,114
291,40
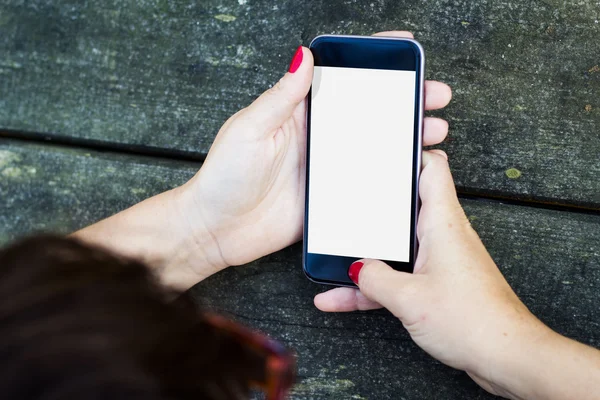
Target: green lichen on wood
8,157
12,172
513,173
225,18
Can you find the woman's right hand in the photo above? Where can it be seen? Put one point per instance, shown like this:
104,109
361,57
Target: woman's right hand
456,306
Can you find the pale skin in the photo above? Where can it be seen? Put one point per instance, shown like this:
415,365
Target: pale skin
247,201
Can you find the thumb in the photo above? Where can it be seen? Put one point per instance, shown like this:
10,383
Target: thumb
436,184
278,103
379,282
439,202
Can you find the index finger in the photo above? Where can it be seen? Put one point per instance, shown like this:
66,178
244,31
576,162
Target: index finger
438,94
344,299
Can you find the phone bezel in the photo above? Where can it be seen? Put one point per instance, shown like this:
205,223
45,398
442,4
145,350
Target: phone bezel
339,275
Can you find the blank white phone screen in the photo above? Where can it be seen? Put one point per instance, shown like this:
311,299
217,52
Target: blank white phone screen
361,163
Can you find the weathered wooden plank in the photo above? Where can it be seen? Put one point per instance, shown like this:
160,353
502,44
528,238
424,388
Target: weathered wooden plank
167,74
60,189
551,258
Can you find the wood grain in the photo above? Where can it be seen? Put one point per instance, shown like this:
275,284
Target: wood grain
166,75
551,258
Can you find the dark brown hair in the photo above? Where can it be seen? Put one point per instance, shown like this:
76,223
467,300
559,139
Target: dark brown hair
78,322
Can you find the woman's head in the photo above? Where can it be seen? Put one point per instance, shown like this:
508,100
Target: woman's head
78,322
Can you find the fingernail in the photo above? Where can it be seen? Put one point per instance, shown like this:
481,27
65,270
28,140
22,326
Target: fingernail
354,270
297,60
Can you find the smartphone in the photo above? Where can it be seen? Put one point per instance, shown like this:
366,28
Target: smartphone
363,156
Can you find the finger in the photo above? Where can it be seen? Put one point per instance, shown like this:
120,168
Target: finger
440,152
344,300
402,34
436,183
277,104
439,203
299,115
435,131
381,284
437,95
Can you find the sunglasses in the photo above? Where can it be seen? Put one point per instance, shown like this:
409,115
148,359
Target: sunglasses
269,365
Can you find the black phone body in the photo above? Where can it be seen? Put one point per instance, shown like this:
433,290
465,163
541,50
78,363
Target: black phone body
363,156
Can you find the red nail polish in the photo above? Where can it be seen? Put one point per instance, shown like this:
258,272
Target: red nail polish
297,60
354,270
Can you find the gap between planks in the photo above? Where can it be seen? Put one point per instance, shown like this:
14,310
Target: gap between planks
185,156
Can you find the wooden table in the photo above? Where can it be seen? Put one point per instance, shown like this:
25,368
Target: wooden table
104,105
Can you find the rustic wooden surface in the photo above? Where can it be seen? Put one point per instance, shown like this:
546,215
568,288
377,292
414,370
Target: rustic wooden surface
549,257
61,189
166,74
161,76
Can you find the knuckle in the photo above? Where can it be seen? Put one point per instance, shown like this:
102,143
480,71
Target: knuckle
371,275
234,118
442,154
246,122
367,278
459,215
440,158
275,89
284,95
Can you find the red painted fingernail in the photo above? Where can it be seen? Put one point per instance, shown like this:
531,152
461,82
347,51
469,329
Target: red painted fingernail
354,270
297,60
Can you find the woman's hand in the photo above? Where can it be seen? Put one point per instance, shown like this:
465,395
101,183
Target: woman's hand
249,194
247,200
458,307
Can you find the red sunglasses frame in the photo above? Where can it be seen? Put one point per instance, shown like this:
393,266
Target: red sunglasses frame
280,362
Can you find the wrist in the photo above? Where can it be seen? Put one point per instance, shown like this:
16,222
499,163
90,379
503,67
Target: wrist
549,366
195,254
512,364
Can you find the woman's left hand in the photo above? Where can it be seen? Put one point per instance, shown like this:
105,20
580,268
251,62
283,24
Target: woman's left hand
249,194
247,200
